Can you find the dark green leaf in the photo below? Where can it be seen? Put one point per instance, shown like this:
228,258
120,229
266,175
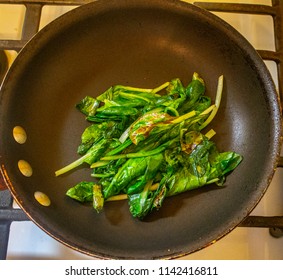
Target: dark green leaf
142,203
88,106
82,192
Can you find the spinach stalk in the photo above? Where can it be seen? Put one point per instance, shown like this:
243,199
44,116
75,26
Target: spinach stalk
217,103
92,155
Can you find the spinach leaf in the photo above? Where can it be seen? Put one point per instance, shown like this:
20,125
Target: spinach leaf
131,170
87,192
203,166
194,93
88,106
93,133
141,204
82,192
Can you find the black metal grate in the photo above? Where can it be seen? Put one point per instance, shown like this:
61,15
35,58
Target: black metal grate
8,214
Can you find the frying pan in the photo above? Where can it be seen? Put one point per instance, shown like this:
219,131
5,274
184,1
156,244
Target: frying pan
142,44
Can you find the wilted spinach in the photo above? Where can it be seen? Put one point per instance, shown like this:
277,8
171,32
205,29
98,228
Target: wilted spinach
147,144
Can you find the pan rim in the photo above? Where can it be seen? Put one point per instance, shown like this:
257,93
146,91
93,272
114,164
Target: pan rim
235,36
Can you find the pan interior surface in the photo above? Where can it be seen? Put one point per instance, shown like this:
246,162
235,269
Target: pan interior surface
142,44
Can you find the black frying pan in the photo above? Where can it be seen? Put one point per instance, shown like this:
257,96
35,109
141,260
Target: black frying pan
143,44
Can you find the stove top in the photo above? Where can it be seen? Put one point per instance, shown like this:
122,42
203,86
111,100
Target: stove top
258,237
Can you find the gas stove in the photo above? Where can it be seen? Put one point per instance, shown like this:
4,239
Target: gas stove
258,237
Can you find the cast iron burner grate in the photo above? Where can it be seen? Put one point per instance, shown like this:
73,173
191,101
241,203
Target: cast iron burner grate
8,214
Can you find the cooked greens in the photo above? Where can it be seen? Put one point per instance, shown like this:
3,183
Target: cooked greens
147,144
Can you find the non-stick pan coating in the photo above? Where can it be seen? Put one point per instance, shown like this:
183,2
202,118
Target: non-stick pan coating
143,44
